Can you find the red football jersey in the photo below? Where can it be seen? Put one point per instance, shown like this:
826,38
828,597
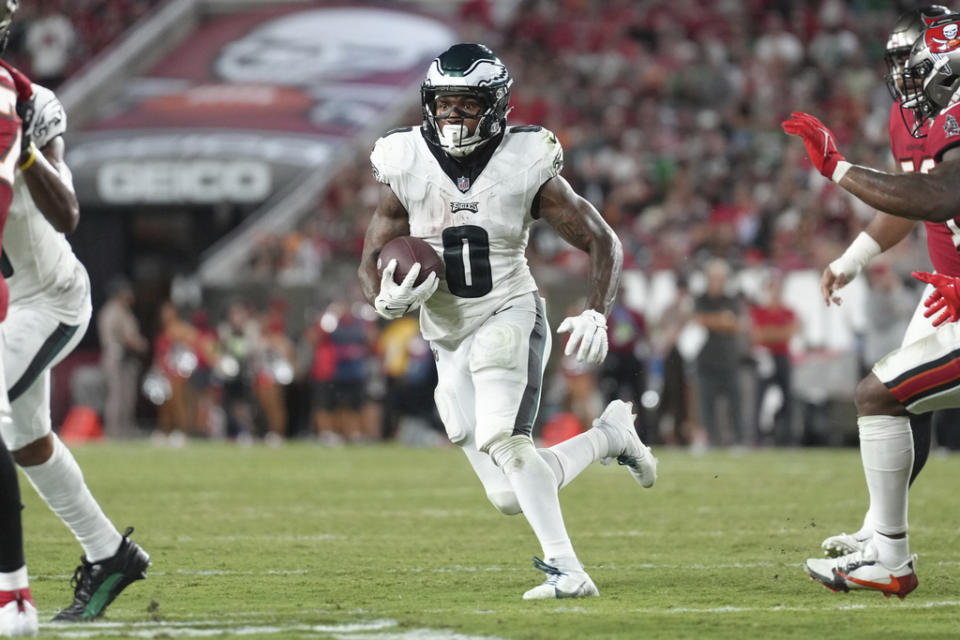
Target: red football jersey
923,154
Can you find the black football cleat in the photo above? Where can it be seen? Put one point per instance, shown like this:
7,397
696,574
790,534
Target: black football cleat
97,584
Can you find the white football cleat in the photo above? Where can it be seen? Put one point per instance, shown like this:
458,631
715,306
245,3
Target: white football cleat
616,422
565,579
18,614
843,544
863,570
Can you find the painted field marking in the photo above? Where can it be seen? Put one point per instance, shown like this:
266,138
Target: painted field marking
369,630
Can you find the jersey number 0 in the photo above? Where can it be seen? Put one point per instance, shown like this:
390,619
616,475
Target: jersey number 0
466,257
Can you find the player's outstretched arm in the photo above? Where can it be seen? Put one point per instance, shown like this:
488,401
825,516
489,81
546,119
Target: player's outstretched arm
51,184
580,224
929,196
932,196
390,220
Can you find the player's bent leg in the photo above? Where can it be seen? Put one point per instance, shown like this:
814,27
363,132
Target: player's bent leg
495,483
535,487
506,362
873,398
617,423
56,476
110,561
37,452
613,436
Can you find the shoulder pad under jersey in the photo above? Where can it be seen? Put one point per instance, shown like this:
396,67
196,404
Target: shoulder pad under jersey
49,118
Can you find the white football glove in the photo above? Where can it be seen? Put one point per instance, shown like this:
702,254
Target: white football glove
394,299
589,331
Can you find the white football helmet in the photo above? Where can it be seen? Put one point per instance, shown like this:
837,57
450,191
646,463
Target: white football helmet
466,69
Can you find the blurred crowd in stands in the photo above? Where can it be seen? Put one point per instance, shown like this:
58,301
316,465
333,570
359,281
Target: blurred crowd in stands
669,114
51,39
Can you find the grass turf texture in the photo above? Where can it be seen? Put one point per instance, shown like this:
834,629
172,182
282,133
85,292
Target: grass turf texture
298,541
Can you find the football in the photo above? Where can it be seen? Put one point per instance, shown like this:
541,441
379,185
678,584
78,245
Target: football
408,251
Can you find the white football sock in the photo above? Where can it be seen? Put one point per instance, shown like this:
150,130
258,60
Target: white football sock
892,552
59,482
866,529
886,448
15,580
569,458
536,488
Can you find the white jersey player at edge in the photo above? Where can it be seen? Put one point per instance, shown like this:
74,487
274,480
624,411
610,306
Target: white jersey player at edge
49,313
471,186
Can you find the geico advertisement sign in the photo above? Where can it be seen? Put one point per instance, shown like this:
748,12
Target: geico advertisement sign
184,181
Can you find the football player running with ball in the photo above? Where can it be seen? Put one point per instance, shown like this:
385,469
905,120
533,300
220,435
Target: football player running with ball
471,186
49,312
924,375
885,231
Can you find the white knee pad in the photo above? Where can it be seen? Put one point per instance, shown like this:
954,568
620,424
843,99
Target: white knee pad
454,421
495,346
508,452
505,502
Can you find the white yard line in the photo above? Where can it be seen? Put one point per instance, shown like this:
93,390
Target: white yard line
369,630
881,604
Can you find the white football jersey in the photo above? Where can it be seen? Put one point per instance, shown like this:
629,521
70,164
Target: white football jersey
479,223
37,260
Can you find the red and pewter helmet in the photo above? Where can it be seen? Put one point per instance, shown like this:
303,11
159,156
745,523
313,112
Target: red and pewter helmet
931,76
908,28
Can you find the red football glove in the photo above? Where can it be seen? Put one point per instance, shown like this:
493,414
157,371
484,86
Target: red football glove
819,142
944,300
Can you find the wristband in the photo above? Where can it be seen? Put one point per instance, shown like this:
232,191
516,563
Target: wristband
26,164
840,170
862,250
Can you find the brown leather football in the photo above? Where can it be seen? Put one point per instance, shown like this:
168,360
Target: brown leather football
408,250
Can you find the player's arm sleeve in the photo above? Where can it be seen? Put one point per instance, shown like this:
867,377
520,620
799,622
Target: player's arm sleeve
389,160
549,164
383,161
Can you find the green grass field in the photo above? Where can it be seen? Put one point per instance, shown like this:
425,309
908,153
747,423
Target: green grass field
388,543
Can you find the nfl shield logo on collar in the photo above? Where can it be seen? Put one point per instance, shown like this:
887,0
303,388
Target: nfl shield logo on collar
463,183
